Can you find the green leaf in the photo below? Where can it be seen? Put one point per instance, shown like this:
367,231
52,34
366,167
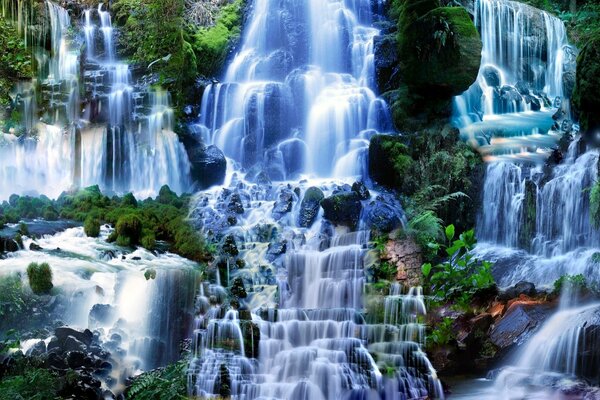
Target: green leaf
426,269
450,232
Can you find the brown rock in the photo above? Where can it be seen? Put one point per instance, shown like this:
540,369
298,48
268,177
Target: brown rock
497,309
405,254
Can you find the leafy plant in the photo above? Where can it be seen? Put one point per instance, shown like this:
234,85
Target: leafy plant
574,282
460,277
443,332
40,278
169,383
33,384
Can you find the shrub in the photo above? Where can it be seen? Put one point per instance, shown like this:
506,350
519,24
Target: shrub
169,383
40,278
462,276
91,227
129,230
33,384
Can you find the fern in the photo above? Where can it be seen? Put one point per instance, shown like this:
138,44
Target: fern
169,383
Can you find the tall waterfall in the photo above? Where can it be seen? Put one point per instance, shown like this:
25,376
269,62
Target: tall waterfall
525,54
297,97
120,136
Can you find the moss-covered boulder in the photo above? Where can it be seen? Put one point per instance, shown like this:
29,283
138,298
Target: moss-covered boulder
441,52
343,209
587,85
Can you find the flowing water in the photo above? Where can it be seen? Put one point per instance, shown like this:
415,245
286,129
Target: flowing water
119,136
507,112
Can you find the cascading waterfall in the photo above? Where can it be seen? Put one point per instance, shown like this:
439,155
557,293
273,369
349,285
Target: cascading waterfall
548,217
123,140
507,111
296,98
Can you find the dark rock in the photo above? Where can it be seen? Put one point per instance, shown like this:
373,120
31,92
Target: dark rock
361,190
8,245
526,288
37,349
276,249
518,323
343,209
283,205
384,214
385,48
309,208
84,337
237,288
55,361
72,344
235,204
208,165
522,87
34,247
568,82
75,359
229,246
491,75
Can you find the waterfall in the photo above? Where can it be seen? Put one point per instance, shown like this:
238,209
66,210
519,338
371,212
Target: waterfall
298,92
121,138
525,53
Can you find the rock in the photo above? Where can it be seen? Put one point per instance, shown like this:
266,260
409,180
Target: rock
34,247
587,86
520,321
75,359
309,208
526,288
72,344
37,349
276,249
84,337
229,246
283,204
361,190
491,75
55,361
497,309
523,88
237,288
568,82
343,209
208,165
235,204
101,315
385,48
406,256
384,214
8,245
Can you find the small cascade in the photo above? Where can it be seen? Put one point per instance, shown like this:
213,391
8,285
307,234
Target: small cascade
540,224
297,98
121,138
507,112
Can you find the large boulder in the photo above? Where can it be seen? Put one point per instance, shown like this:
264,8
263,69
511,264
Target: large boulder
309,208
440,50
587,86
343,209
208,165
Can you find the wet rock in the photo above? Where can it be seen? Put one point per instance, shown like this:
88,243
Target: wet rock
208,165
491,75
230,246
34,247
522,318
76,359
526,288
84,337
406,256
522,87
384,214
37,349
276,249
385,48
235,204
237,288
71,344
343,209
361,190
8,245
309,208
283,205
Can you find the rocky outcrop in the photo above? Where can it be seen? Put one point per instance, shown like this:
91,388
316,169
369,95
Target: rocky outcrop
587,87
406,256
309,208
343,209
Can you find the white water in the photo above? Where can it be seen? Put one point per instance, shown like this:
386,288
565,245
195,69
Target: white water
297,96
129,147
525,52
148,315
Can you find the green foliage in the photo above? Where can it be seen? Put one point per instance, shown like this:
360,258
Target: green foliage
426,228
33,384
40,278
91,226
384,271
587,84
583,24
169,383
150,274
573,282
15,62
459,278
137,222
211,44
10,341
442,333
595,204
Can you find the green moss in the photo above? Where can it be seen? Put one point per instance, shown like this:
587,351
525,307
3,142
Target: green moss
91,227
587,85
40,278
211,44
15,62
129,230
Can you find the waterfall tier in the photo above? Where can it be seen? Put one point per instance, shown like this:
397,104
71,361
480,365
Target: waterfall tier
526,74
118,135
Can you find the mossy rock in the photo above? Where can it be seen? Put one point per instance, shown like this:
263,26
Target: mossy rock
587,85
441,52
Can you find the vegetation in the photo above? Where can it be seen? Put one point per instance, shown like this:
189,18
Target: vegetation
40,278
595,205
587,85
32,384
442,333
459,278
136,222
574,282
169,383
